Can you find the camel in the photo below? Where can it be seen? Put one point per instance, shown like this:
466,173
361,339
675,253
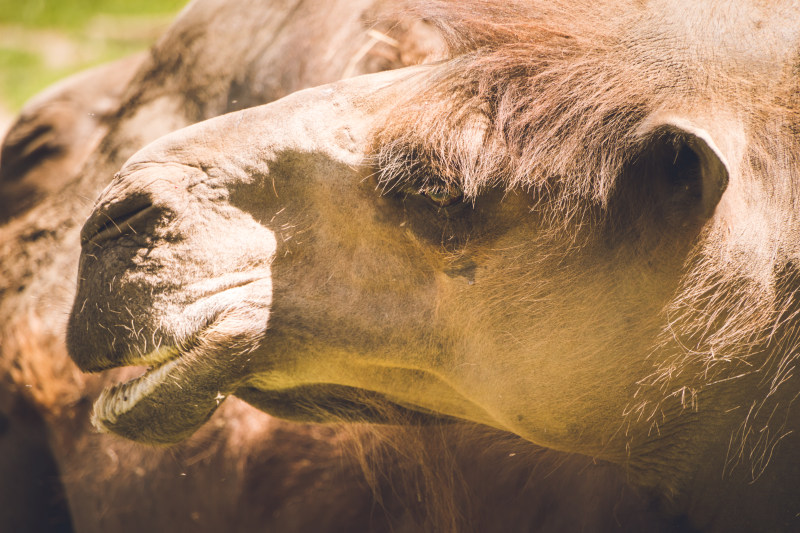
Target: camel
244,471
57,473
565,233
40,154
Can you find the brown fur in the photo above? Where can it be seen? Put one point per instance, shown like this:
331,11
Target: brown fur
453,478
564,95
564,99
56,132
545,97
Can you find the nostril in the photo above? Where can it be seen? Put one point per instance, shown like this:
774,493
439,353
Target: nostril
114,220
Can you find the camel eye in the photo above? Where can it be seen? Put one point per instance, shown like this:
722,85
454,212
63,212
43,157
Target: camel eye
444,195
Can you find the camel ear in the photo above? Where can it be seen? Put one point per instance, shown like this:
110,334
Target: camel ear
689,158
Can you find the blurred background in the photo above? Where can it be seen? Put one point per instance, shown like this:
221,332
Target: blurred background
42,41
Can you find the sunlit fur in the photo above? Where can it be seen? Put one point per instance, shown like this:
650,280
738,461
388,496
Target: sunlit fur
563,92
561,101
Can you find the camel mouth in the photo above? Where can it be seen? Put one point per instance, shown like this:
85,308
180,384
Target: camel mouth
97,344
119,399
185,384
153,359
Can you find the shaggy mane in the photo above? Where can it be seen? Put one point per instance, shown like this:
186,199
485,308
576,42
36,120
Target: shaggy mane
551,95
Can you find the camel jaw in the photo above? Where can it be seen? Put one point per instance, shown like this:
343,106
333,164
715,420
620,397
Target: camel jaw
158,407
115,401
184,388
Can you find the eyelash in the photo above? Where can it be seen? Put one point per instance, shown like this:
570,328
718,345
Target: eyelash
436,191
442,196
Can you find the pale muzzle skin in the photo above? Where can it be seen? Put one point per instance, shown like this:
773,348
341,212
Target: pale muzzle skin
256,255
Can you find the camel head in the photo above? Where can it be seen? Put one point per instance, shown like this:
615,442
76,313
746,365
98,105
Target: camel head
571,238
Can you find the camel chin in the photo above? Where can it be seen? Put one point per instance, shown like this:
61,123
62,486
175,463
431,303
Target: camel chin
144,408
184,383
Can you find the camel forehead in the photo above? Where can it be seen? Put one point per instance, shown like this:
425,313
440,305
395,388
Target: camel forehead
728,42
757,30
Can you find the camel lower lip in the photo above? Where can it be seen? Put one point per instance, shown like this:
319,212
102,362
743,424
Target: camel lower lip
117,400
185,385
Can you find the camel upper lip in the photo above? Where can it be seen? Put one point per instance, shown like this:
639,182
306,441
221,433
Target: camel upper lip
154,358
157,357
169,346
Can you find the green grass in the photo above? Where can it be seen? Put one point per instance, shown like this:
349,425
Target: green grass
74,14
42,41
23,75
